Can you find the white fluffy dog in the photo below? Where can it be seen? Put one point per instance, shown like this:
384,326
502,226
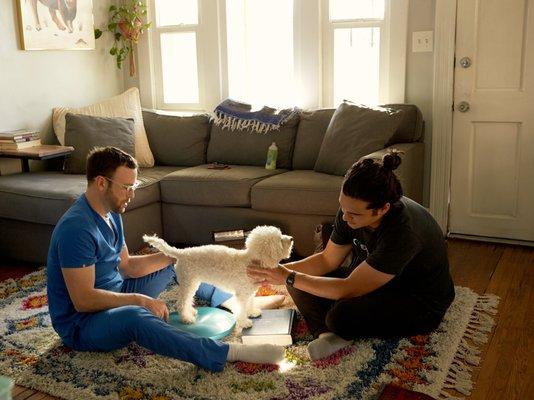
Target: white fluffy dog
225,268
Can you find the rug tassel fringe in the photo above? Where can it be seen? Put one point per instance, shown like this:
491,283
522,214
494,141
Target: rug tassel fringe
478,328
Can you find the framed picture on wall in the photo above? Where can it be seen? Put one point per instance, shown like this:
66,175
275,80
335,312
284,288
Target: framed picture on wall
56,24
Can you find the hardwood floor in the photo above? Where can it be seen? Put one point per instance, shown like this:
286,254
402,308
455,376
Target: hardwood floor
507,368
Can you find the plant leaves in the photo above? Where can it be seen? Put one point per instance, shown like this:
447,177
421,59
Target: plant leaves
98,33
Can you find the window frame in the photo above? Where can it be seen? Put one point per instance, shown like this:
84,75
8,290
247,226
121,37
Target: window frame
206,46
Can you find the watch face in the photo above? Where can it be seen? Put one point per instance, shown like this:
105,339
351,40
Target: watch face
291,279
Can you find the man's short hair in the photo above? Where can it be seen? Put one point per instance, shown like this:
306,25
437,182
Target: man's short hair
104,161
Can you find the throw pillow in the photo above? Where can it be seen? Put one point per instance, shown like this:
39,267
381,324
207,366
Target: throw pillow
354,132
126,105
310,134
84,132
177,140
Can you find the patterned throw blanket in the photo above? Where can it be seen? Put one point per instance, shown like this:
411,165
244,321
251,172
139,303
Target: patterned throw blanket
234,115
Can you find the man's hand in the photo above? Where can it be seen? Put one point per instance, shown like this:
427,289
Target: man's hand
156,307
272,276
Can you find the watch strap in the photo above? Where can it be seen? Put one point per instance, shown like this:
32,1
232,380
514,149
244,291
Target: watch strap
290,280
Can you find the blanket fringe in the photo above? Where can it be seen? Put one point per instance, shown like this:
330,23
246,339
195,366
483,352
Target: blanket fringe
468,355
234,123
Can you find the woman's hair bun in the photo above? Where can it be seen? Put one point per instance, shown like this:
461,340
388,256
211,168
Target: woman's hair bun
391,160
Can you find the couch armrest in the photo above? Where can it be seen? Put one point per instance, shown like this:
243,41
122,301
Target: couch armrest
410,172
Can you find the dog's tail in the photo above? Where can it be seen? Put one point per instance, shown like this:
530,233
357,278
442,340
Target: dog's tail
161,245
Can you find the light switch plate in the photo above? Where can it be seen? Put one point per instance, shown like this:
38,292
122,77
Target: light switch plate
423,41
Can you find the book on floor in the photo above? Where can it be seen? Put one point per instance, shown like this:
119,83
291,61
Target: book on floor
272,327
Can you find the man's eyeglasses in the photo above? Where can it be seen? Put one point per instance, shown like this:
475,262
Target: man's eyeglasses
128,188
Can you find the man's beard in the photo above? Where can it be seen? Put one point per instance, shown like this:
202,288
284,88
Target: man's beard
115,205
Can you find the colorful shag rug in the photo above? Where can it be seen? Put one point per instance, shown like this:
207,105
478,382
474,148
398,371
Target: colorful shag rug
438,364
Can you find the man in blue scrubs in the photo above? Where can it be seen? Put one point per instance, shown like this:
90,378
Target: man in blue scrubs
101,298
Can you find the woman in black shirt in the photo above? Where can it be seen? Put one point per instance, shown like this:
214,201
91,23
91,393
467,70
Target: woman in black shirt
400,284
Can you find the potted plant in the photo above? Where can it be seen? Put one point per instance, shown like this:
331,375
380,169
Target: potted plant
126,23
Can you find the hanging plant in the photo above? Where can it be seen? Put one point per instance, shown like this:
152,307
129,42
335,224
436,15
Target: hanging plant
126,25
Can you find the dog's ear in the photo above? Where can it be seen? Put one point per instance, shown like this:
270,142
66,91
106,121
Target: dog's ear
287,244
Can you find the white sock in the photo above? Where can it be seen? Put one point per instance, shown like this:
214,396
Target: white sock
255,353
326,344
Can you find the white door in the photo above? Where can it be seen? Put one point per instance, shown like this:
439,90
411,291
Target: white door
492,170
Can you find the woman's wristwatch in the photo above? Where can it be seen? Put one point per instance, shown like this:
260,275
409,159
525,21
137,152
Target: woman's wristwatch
290,280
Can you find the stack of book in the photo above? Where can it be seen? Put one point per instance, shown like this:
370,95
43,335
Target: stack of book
19,139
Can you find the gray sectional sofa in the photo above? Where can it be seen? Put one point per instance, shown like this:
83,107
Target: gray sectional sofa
183,201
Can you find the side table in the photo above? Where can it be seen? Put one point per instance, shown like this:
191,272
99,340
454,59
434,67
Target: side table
42,152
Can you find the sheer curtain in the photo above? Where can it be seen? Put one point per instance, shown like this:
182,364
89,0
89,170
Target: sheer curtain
260,52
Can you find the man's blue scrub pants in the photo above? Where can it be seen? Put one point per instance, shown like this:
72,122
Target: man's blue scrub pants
117,327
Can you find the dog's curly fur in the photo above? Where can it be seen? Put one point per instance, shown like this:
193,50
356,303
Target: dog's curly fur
225,268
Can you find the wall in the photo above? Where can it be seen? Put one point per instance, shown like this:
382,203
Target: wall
33,82
420,76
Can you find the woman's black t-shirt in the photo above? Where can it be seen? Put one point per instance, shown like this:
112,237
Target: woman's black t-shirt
408,244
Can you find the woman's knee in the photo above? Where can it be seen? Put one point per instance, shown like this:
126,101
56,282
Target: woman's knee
343,319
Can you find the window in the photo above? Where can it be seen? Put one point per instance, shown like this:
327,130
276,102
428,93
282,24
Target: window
175,37
360,59
179,67
182,55
259,43
353,37
277,53
356,65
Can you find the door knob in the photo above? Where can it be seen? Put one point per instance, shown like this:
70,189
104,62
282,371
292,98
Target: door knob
463,106
465,62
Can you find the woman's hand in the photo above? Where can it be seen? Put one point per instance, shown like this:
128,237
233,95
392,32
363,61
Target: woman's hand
272,276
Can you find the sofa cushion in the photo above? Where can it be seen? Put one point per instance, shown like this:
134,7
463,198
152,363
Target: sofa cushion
310,134
410,128
40,197
176,140
245,147
125,105
43,197
202,186
298,192
84,132
354,132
